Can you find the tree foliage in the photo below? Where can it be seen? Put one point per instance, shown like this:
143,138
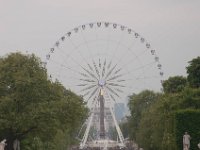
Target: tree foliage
174,84
193,71
32,107
137,104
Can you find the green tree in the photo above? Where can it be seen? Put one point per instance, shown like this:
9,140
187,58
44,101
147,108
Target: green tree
32,107
174,84
156,129
137,104
193,71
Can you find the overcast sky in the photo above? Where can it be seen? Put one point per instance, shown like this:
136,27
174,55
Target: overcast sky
171,26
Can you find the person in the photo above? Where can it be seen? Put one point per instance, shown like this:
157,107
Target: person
2,144
186,141
16,144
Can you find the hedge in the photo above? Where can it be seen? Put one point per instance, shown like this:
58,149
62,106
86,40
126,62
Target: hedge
187,121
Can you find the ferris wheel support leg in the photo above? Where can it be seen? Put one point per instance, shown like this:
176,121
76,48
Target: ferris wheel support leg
119,132
85,137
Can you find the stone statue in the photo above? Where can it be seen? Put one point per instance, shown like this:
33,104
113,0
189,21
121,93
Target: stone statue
16,145
2,144
186,141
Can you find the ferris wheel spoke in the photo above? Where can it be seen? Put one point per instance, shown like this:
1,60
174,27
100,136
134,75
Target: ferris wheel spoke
147,77
142,80
82,85
134,59
70,78
129,61
88,88
136,56
93,93
83,75
80,54
90,73
99,63
95,27
118,44
104,68
121,80
90,67
96,69
86,43
78,64
87,80
112,97
109,65
96,36
140,55
87,93
139,68
65,67
85,60
122,57
135,88
115,84
117,71
110,71
107,39
115,77
112,91
131,45
118,90
80,73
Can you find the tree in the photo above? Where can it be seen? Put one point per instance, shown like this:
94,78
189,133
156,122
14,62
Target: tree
137,104
158,124
31,105
154,132
174,84
193,71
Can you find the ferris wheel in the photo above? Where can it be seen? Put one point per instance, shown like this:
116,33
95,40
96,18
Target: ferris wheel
104,55
105,63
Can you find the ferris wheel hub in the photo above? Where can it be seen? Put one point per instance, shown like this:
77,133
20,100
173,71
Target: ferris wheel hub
102,82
